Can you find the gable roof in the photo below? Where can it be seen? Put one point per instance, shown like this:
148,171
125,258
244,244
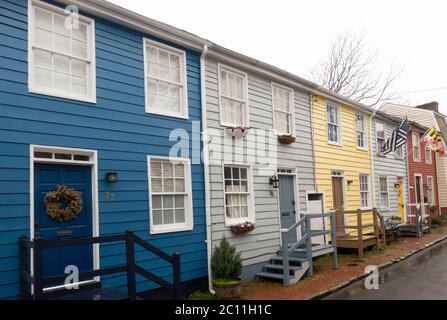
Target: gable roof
135,21
421,116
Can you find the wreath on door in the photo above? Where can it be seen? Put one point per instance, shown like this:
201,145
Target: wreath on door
63,204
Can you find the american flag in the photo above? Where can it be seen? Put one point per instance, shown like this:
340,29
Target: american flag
397,139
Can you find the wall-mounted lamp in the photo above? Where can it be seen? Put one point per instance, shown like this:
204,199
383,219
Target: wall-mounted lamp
112,177
349,182
396,186
274,181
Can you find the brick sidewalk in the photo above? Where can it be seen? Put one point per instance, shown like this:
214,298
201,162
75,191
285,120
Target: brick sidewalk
326,278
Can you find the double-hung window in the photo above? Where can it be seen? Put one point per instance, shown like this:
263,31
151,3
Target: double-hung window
380,135
333,124
170,194
431,190
233,97
364,191
360,127
238,194
428,155
399,153
416,147
283,110
384,195
165,76
61,53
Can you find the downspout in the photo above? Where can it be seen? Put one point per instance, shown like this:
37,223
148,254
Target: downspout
373,184
209,240
312,133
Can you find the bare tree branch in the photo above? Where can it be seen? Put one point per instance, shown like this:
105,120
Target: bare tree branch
351,71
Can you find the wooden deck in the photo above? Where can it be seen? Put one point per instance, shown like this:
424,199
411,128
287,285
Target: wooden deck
367,230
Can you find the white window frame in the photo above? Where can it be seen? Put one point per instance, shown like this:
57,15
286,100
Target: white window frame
91,55
368,192
401,156
188,225
246,112
382,192
184,114
365,131
415,139
250,198
380,138
431,192
339,129
291,113
429,159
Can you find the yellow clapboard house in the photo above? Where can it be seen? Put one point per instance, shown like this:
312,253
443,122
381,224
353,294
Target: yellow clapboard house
342,152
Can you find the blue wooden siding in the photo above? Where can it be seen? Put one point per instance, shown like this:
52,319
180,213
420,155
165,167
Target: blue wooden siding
117,126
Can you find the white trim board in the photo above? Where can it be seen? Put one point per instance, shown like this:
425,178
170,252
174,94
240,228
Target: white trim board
93,163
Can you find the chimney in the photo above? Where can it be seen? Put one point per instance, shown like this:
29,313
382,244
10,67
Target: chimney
432,106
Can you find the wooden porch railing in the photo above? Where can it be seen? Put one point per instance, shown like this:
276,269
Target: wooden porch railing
358,235
306,238
34,278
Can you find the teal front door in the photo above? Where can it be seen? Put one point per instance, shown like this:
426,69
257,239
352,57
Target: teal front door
287,205
47,177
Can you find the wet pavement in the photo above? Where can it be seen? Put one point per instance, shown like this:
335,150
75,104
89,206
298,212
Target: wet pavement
423,276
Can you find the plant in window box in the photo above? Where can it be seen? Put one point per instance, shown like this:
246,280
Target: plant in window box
226,268
238,131
286,139
243,227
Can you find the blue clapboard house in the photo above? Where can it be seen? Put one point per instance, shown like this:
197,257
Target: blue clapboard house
93,98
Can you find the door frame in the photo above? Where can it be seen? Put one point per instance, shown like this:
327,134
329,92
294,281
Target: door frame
421,188
343,184
294,174
93,163
401,180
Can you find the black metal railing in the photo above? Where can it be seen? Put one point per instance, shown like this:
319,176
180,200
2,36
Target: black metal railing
33,277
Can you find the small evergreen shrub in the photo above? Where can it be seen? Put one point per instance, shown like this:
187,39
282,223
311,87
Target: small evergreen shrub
198,295
226,264
437,221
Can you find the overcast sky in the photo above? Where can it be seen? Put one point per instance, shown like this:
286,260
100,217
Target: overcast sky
296,35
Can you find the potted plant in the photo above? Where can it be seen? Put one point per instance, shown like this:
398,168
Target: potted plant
243,227
286,139
238,131
226,268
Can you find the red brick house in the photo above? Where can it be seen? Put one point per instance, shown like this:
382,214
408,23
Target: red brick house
423,184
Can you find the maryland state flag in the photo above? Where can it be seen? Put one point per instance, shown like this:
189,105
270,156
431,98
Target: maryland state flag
433,140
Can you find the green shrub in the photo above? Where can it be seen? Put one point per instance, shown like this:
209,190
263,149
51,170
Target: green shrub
225,263
437,221
202,296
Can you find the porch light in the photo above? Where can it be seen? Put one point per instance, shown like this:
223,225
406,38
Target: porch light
349,182
112,177
274,181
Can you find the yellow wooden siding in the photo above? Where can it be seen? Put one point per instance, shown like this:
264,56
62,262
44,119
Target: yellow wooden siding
346,158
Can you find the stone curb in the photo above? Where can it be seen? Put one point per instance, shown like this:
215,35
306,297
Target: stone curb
385,265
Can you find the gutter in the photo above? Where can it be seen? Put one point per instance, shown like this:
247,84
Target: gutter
135,21
209,240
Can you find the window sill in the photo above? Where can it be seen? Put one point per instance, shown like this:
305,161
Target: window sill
227,125
48,93
161,230
362,149
335,144
171,115
232,222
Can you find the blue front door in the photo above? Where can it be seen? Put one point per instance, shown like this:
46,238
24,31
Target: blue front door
47,177
287,204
